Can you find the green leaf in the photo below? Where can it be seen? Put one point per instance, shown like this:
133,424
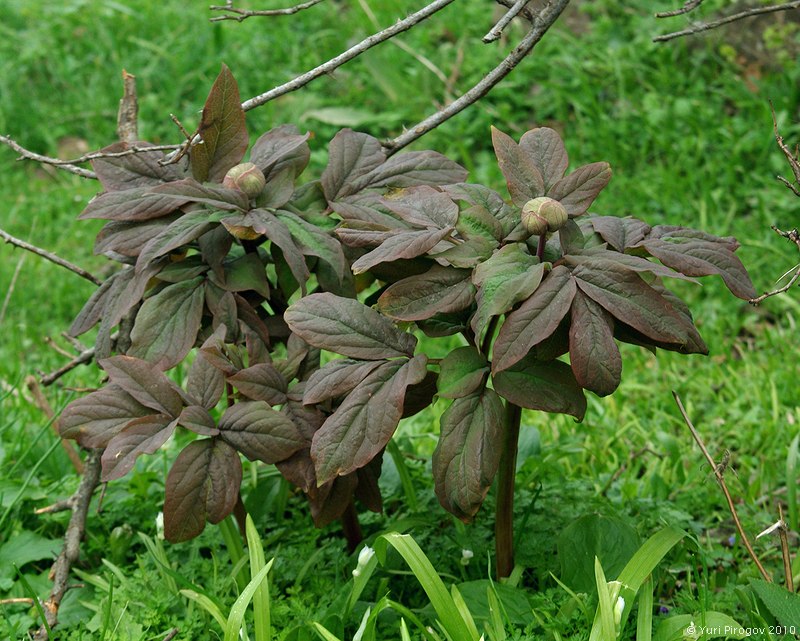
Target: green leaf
437,291
145,382
365,421
522,176
578,190
547,386
24,547
404,244
347,327
462,372
593,353
266,223
544,147
605,609
467,457
222,131
505,214
202,484
246,273
714,624
312,241
261,600
260,432
236,616
167,324
141,436
478,222
510,276
534,320
784,605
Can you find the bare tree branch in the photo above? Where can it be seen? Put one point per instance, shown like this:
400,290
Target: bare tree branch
84,357
509,15
346,56
791,157
30,155
49,256
540,25
244,14
705,26
690,5
794,236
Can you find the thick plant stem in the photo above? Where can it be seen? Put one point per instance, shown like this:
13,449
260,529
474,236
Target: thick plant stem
351,527
504,511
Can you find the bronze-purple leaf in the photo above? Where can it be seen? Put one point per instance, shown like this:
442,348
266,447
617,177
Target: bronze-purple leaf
467,455
180,232
620,233
140,169
265,222
548,386
439,290
198,420
145,382
404,244
351,156
222,131
413,168
95,419
523,178
546,149
214,196
127,238
365,421
424,206
141,436
347,327
593,353
313,241
578,190
535,319
335,379
261,382
202,485
137,204
260,432
279,150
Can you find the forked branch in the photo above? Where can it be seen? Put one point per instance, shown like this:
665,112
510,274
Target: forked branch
242,14
794,236
690,5
47,160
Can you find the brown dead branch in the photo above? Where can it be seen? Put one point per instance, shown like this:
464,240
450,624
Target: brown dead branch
690,5
26,154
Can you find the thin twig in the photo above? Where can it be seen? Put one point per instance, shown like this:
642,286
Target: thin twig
84,357
718,473
17,601
244,14
690,5
171,634
44,405
72,540
346,56
59,506
525,13
787,558
790,156
49,256
509,15
30,155
540,25
705,26
794,236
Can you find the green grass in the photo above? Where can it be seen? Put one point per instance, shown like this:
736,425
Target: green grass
687,129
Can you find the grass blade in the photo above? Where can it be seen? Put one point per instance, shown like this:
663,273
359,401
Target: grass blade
236,616
261,602
207,604
603,627
791,481
37,604
644,621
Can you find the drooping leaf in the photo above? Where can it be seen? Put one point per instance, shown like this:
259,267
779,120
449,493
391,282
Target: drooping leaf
620,233
439,290
347,327
312,241
680,249
329,502
510,276
96,418
351,156
141,436
137,204
534,320
222,131
365,421
261,382
547,386
260,432
336,379
202,485
167,324
140,169
215,196
467,455
593,353
128,238
627,297
405,244
356,233
198,420
462,372
423,206
546,149
92,310
267,223
145,382
523,178
368,491
577,190
600,259
184,230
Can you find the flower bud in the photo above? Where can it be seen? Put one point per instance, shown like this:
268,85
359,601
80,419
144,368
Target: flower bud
542,215
245,177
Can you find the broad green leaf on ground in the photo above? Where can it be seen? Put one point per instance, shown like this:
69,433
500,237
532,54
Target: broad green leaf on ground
283,148
535,319
620,233
467,455
198,420
260,432
261,382
347,327
522,176
137,204
202,485
24,547
167,324
365,421
784,605
547,386
544,147
184,230
140,169
335,379
141,436
577,190
351,156
627,297
145,382
462,372
593,353
404,244
698,254
510,276
437,291
716,625
97,417
423,206
222,131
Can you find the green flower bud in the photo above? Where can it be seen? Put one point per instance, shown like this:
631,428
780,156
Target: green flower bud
542,215
245,177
